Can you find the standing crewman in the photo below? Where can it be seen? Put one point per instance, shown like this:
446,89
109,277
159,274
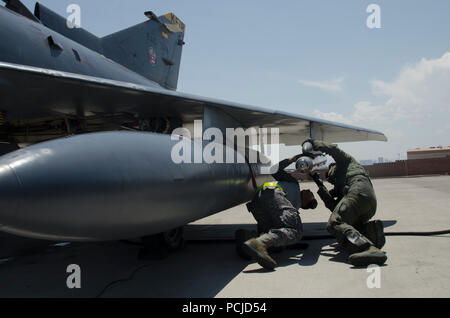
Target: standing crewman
353,204
275,208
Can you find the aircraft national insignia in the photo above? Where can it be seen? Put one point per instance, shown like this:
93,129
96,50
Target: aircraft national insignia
152,55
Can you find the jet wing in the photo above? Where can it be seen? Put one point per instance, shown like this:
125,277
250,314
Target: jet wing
28,92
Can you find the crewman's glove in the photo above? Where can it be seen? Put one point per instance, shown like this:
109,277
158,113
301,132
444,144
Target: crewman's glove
316,178
295,158
317,144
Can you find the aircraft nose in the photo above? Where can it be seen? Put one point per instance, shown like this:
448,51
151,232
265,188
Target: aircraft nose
9,195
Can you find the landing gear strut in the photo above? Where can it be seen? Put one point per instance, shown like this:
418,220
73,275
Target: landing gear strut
158,246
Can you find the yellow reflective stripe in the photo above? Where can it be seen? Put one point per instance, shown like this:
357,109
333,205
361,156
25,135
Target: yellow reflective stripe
269,184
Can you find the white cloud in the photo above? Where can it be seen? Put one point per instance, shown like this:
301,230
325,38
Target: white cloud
334,85
332,116
417,110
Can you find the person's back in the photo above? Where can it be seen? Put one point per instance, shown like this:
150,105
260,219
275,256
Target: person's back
346,170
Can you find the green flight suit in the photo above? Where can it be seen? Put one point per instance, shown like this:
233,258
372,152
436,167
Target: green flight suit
352,201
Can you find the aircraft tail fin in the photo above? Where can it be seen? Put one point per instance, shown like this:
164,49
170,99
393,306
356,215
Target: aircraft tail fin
152,48
18,7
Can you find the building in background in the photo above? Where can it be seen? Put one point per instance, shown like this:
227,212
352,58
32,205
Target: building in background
428,153
421,161
366,162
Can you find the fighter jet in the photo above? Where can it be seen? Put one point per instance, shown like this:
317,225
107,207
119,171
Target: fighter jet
86,128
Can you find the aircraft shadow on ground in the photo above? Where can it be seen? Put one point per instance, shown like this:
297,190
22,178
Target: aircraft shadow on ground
207,264
112,269
296,254
316,248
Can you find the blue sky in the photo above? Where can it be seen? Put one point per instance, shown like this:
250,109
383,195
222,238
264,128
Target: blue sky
315,58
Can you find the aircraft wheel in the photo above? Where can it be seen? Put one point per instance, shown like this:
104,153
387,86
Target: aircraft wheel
173,239
158,246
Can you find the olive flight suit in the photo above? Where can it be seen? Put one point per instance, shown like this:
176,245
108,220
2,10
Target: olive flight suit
352,201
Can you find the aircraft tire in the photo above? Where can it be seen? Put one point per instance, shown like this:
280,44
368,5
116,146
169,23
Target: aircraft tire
173,239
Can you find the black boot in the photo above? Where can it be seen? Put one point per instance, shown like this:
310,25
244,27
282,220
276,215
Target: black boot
255,248
241,236
374,231
370,256
354,242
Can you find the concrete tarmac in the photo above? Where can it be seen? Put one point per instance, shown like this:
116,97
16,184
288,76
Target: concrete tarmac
208,266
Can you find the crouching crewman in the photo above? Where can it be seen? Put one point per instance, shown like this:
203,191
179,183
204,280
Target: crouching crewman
275,209
353,204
